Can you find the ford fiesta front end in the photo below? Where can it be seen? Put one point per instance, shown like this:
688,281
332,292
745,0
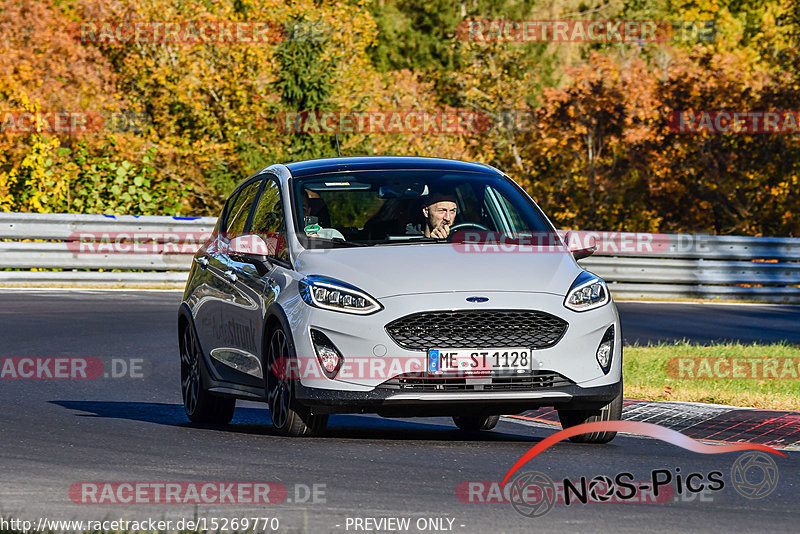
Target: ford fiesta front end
397,286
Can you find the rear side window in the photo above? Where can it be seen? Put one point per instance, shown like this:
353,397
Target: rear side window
240,210
268,221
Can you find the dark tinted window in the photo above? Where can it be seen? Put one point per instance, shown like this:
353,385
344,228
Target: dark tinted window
240,209
268,221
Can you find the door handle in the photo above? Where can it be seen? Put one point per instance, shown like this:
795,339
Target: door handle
231,276
202,261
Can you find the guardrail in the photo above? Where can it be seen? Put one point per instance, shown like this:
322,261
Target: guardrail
695,266
712,267
58,246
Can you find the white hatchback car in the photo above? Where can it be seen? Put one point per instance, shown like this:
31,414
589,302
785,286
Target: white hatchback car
398,286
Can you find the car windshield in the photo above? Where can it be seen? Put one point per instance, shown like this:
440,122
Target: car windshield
400,207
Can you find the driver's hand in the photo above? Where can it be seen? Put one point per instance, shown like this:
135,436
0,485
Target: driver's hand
441,231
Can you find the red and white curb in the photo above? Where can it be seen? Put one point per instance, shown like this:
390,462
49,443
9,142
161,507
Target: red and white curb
707,422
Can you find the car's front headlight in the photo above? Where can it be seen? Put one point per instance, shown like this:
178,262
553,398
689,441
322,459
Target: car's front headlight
587,293
335,295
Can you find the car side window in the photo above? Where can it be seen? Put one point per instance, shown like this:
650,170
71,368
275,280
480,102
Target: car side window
240,209
268,221
225,216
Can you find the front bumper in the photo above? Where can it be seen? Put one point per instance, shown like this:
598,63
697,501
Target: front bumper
390,403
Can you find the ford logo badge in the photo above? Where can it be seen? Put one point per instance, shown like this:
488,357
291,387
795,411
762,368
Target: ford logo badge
477,299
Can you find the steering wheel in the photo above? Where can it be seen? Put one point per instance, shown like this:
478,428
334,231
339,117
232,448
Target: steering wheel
459,226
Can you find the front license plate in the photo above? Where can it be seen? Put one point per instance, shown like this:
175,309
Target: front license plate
479,361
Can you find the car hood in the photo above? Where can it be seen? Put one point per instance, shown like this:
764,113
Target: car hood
385,271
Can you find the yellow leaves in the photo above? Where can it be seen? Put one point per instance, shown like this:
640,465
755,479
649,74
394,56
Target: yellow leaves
7,180
780,190
29,184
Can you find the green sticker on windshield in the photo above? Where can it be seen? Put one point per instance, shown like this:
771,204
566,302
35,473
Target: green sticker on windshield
312,228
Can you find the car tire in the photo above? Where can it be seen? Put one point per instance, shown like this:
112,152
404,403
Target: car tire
610,412
289,418
200,405
476,423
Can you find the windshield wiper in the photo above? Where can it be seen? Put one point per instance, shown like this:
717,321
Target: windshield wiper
341,241
411,239
338,241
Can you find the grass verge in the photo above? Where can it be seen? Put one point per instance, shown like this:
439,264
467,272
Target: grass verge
756,376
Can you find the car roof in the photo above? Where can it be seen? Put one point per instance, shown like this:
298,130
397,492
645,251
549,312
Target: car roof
367,163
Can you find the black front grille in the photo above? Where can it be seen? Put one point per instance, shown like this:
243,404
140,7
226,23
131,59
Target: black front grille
477,329
527,382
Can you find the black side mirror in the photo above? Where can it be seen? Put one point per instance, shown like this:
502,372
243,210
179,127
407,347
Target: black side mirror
252,249
580,253
583,253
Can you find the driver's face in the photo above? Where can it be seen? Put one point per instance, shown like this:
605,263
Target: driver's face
306,197
440,212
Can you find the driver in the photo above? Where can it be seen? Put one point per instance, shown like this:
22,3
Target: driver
439,211
308,209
